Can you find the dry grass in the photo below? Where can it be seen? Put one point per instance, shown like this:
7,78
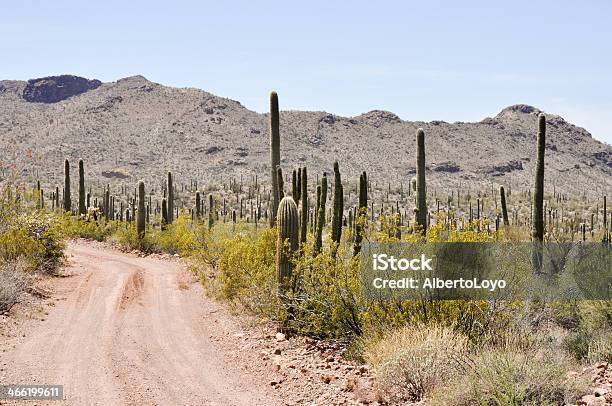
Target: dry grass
412,361
14,282
509,376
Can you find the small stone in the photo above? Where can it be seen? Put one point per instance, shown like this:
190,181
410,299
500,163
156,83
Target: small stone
277,351
350,385
591,400
280,337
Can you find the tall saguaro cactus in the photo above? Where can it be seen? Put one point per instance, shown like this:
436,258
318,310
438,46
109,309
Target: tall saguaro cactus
338,208
294,186
82,192
287,242
274,154
304,201
280,183
361,215
170,187
67,202
141,214
421,209
321,216
537,231
198,206
164,213
299,186
502,196
107,202
211,210
605,220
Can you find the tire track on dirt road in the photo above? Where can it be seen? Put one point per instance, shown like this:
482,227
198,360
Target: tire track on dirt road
130,333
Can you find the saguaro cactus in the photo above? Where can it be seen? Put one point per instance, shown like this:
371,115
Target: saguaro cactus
605,220
198,204
82,192
537,231
280,183
304,196
107,209
274,155
211,210
299,186
170,187
294,186
67,202
141,214
316,209
338,208
421,209
502,196
361,215
164,213
287,242
321,216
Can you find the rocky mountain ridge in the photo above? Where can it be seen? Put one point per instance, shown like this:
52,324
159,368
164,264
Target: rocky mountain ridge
134,128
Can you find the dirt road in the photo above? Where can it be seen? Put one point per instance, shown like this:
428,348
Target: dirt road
131,331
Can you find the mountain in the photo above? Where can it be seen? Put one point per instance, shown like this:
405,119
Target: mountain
133,128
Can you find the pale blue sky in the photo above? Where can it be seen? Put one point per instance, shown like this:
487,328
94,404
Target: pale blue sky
425,60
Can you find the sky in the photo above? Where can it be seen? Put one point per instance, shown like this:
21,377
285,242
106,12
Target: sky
422,60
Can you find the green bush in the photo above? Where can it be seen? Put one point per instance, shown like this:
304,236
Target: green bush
89,229
244,268
182,237
127,236
36,238
590,330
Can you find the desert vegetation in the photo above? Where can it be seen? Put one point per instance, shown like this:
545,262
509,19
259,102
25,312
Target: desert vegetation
288,250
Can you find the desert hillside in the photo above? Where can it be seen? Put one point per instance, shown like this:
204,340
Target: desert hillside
134,128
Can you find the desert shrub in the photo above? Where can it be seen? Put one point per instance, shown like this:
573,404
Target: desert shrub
14,281
507,376
182,237
36,238
327,301
127,236
89,229
411,362
28,234
589,326
600,348
17,243
245,268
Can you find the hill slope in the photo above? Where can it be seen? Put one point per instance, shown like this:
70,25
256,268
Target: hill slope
134,128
